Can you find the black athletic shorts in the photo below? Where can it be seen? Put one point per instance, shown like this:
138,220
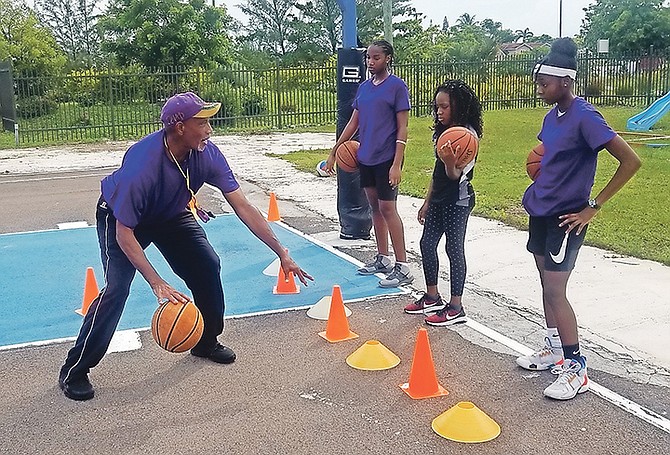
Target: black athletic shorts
547,239
377,176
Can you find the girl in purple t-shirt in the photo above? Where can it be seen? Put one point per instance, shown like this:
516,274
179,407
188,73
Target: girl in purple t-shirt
381,113
560,206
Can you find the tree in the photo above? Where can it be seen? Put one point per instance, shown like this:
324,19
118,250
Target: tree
166,32
413,42
269,25
470,43
25,42
326,19
72,22
465,20
445,24
631,26
495,32
524,35
370,22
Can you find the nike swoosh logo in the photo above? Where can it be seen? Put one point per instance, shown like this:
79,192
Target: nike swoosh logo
560,256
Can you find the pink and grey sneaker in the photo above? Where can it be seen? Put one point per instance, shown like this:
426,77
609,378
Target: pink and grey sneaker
446,316
425,304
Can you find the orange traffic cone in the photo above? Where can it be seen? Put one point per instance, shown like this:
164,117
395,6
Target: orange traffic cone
273,210
422,378
337,327
285,285
91,291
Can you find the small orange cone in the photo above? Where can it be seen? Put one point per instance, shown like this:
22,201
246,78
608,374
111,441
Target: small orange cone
91,291
273,210
422,378
337,327
285,285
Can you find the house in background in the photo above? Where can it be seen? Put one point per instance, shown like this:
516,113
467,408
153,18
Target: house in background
506,49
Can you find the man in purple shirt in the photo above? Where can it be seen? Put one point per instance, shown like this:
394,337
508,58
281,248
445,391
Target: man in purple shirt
151,199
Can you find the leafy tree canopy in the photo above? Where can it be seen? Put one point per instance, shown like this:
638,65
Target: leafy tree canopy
166,32
72,23
631,26
25,42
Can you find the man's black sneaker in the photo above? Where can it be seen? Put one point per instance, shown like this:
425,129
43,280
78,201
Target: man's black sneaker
355,237
220,354
79,389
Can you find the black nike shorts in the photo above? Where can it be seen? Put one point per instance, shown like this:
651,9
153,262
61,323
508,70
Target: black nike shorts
377,176
546,238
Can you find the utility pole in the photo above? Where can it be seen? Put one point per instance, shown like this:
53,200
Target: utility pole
560,18
387,8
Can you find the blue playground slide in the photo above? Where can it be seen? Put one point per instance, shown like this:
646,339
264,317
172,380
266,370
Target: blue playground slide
647,118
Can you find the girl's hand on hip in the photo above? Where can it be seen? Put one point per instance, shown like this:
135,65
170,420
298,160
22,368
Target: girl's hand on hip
577,220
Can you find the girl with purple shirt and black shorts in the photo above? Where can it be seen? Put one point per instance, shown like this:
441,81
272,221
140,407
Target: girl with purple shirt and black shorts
560,206
381,113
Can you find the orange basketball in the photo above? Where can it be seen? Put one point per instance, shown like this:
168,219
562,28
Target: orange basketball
464,144
177,328
534,160
346,156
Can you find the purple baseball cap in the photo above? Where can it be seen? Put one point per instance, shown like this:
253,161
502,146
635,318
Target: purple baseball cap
183,106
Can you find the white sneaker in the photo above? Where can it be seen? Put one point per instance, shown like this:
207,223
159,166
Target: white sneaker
571,381
543,359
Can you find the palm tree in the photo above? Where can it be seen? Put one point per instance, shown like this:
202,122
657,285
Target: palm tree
466,20
523,35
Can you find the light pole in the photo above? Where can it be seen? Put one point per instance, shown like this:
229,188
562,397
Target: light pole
560,18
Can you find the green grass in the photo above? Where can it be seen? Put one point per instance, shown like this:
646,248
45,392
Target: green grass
635,222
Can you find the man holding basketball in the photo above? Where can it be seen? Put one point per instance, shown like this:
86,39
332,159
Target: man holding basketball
151,199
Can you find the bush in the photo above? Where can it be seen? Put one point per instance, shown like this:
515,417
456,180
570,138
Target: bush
288,108
35,106
224,93
625,90
593,88
253,104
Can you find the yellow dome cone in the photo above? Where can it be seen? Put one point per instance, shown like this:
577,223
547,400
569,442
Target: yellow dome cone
373,356
465,422
321,309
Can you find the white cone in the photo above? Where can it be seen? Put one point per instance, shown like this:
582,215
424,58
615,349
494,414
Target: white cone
273,268
321,309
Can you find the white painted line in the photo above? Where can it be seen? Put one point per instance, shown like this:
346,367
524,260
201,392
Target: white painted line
637,410
622,402
64,177
124,341
9,347
72,225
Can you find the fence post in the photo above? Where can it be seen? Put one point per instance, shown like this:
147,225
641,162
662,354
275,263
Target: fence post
278,95
650,62
110,94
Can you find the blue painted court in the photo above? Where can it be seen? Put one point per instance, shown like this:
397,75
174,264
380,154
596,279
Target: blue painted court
42,278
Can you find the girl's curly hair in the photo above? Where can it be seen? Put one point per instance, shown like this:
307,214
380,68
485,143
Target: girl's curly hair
466,110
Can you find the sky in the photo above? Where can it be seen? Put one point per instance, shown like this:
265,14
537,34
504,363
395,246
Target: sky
540,16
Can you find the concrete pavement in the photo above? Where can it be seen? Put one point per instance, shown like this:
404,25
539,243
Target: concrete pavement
260,405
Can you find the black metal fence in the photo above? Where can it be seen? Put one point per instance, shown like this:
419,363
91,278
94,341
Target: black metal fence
125,103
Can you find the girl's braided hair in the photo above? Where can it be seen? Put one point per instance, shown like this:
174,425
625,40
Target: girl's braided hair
466,110
386,48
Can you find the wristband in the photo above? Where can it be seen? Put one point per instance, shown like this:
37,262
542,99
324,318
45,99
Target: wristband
398,141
